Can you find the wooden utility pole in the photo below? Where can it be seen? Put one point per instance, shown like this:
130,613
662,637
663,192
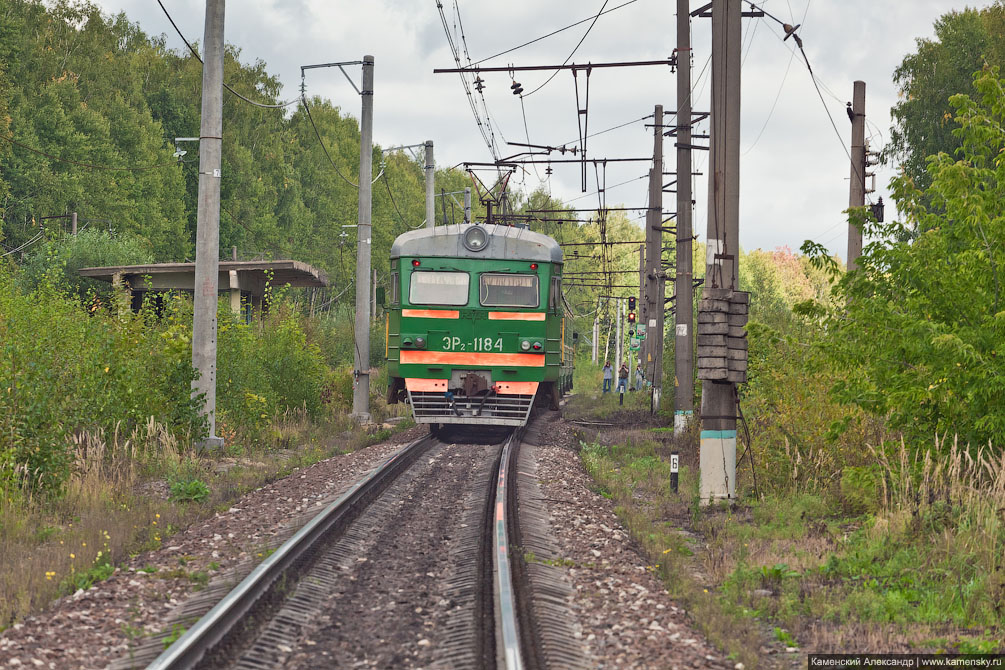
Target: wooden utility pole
361,389
718,398
683,284
856,191
430,183
207,243
654,302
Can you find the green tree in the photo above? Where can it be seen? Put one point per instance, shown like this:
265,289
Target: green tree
940,68
920,327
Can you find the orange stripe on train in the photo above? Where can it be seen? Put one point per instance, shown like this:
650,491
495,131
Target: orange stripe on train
469,358
416,384
518,316
432,313
427,385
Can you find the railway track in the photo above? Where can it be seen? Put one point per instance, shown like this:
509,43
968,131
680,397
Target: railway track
420,564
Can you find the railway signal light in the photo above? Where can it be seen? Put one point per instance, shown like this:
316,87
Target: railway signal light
631,303
631,317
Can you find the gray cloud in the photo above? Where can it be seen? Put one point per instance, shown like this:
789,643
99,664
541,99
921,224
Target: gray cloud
793,179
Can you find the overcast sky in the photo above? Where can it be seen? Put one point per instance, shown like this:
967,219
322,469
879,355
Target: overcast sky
794,170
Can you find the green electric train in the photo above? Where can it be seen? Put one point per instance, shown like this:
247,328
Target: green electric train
477,329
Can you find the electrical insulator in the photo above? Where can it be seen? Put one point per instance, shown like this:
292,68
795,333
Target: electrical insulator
479,84
517,88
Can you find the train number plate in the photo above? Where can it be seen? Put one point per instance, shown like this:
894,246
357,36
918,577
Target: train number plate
479,344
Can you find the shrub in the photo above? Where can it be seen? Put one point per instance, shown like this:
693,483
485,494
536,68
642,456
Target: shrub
63,371
266,368
57,261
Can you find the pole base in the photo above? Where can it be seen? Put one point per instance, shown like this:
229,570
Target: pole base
211,443
360,417
681,418
717,460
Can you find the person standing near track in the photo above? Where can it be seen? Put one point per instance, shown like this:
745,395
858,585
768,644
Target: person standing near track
623,378
608,376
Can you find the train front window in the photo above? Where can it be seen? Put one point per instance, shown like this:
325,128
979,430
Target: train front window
509,290
438,288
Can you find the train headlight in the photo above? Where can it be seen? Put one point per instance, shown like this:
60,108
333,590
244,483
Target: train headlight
420,343
407,342
525,345
475,238
537,346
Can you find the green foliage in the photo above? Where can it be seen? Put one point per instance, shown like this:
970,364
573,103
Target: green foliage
917,331
860,488
99,571
964,41
267,368
177,630
189,490
63,371
58,260
785,637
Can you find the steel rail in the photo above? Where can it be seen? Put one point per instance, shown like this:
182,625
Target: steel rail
191,648
506,602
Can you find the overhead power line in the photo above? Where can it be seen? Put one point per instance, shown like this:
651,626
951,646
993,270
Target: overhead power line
484,127
578,44
554,32
226,86
323,147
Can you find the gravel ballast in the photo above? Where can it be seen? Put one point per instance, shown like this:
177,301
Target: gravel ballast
625,617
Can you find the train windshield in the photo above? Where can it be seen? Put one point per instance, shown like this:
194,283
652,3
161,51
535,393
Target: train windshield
438,288
509,290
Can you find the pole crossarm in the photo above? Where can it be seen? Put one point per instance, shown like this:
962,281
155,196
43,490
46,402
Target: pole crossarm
515,164
672,62
596,244
304,68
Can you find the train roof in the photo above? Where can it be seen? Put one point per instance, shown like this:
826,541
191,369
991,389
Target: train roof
505,242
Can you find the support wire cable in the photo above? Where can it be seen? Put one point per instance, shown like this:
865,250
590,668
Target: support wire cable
225,85
324,148
554,32
566,61
781,85
27,244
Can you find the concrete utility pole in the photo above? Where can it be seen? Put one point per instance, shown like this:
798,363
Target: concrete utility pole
207,244
596,333
683,284
642,292
467,204
654,303
361,391
73,223
718,398
856,191
430,186
618,338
